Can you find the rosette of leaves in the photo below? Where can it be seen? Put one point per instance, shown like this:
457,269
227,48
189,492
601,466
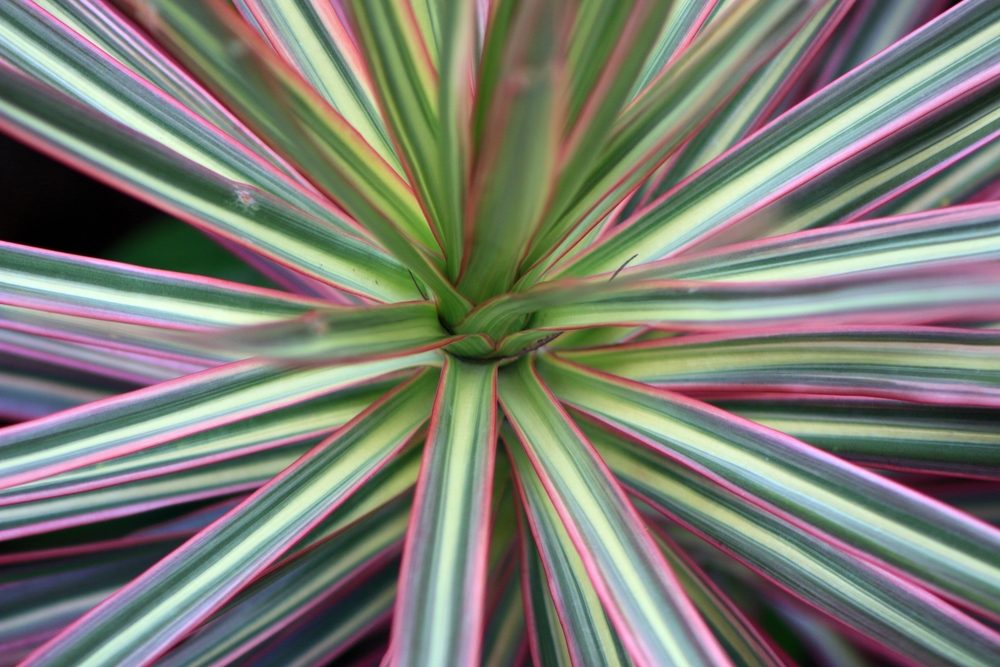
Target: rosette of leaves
624,332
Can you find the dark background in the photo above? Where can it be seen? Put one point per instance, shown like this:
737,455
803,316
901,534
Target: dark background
49,205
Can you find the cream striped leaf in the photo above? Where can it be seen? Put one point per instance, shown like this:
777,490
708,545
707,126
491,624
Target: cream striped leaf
924,539
443,577
142,619
646,605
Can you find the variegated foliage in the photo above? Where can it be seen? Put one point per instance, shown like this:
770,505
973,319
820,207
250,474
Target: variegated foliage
602,332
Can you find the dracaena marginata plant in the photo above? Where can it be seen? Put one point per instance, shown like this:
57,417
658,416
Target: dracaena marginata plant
603,332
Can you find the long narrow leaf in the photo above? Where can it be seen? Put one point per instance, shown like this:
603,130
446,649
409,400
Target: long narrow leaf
909,110
246,215
928,541
900,615
443,578
221,559
656,622
922,364
274,101
162,413
590,638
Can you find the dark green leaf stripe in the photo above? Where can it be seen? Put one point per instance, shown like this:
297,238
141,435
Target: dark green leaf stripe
310,35
904,112
590,637
970,232
443,577
924,364
926,540
295,587
901,616
644,601
142,619
156,415
911,437
247,215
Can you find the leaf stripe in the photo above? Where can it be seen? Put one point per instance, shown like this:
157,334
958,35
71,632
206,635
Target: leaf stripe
901,616
868,513
442,584
218,561
657,624
924,364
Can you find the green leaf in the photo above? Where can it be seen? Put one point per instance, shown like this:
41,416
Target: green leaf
656,621
910,532
686,19
520,116
48,513
970,232
955,292
742,639
895,436
753,104
590,638
144,618
92,142
285,111
443,577
886,123
921,364
665,115
427,111
108,30
311,36
887,608
156,415
608,45
546,637
99,289
298,585
243,438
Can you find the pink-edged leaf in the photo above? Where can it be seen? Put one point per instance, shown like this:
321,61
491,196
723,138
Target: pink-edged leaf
439,613
905,619
162,413
248,215
883,434
656,622
590,638
290,115
956,367
867,513
169,600
303,583
895,120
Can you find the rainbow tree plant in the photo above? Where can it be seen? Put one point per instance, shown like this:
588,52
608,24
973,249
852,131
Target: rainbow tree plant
610,332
